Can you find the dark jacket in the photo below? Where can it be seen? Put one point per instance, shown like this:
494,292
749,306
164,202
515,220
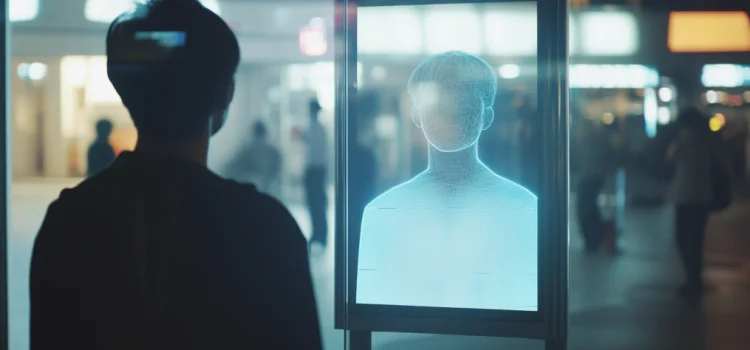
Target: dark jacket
157,252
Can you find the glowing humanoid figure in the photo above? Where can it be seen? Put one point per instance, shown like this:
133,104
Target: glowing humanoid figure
457,235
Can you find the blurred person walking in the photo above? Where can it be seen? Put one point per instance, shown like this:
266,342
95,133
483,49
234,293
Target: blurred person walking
265,159
100,153
700,184
258,162
595,154
157,251
315,173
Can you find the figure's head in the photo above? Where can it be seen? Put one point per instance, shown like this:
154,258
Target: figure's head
691,123
452,96
314,108
173,64
259,131
103,129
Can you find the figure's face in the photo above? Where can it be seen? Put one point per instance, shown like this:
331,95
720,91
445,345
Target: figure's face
451,117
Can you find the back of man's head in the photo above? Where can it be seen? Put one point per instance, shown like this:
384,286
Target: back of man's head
314,108
692,118
103,128
259,130
173,63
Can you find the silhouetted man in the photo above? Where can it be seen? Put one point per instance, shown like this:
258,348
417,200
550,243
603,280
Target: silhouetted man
315,174
260,162
100,154
157,252
594,156
694,193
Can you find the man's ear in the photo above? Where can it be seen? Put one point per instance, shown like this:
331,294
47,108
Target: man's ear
228,97
415,117
487,117
219,116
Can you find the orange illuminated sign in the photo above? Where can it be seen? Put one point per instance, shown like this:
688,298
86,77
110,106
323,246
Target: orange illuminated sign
709,32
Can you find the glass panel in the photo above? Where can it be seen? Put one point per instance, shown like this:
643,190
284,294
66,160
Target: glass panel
60,89
389,30
450,141
513,30
452,27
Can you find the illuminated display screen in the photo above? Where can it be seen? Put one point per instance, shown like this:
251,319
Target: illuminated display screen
609,33
709,32
612,76
460,228
725,75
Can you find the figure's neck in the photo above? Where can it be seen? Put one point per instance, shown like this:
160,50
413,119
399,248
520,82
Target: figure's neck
195,150
453,166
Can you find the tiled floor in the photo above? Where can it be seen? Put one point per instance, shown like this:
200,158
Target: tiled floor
625,302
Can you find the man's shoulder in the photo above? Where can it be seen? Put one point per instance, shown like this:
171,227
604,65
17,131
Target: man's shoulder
236,205
249,205
119,183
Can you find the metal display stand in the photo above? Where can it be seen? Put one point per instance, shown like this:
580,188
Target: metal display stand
549,324
360,340
5,177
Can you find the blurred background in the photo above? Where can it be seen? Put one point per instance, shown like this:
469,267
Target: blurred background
635,65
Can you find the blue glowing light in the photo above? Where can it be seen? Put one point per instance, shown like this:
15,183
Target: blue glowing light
457,235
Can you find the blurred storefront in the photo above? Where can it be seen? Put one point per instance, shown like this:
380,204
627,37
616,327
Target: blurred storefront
287,58
727,98
62,89
714,48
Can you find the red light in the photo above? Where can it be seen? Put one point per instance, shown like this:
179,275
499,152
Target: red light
312,40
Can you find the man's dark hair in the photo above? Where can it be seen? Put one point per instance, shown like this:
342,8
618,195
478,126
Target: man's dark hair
314,107
103,128
259,129
692,118
171,62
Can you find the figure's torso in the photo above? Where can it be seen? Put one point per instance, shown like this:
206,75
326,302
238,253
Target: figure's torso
471,245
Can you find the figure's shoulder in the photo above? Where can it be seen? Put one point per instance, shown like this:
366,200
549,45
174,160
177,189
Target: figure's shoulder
399,195
512,193
391,198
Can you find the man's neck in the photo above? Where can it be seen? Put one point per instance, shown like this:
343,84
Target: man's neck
195,150
453,166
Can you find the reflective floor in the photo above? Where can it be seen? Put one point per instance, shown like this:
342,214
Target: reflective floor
617,302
